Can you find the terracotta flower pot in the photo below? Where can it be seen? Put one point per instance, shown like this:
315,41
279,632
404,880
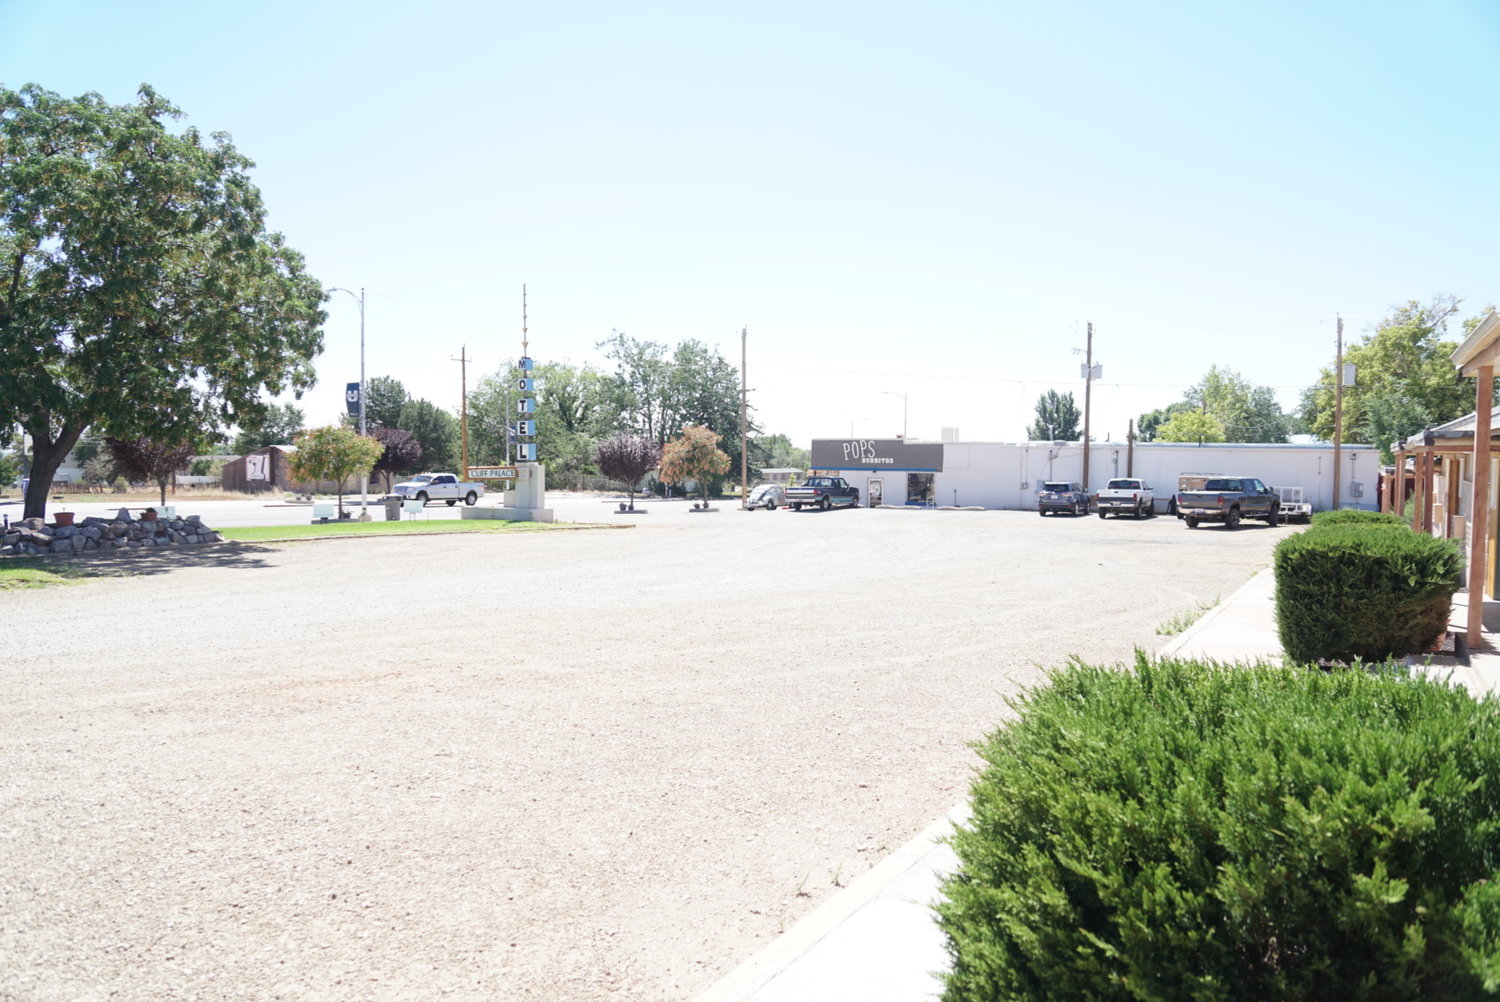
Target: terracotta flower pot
62,518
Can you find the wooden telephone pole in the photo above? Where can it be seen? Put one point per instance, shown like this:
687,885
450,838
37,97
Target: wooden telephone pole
1088,385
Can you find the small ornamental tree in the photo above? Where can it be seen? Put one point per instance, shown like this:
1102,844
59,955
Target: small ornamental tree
400,452
141,459
693,455
335,454
627,458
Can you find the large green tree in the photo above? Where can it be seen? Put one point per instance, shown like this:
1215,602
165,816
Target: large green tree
1191,426
384,398
1405,379
435,430
1239,412
140,292
1057,418
1247,413
278,426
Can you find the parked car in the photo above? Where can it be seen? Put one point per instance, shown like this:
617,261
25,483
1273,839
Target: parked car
767,496
1062,495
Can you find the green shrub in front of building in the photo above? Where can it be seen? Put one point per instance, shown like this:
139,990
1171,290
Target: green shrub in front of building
1365,590
1211,832
1356,516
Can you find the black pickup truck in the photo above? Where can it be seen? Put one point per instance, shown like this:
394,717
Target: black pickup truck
824,493
1227,500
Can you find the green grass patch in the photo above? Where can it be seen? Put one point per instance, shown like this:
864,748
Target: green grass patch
44,572
270,533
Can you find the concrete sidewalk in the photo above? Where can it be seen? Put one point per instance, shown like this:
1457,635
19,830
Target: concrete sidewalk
877,941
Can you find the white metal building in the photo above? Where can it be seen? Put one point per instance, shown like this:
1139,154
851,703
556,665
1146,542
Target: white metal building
1007,475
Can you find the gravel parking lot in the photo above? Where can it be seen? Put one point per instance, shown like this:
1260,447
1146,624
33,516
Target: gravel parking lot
563,766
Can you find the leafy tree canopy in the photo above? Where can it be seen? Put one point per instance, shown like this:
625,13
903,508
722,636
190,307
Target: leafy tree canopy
627,457
1191,426
142,294
142,459
435,430
400,452
333,453
778,452
1148,424
693,455
1241,411
384,398
575,407
1405,379
278,426
1057,418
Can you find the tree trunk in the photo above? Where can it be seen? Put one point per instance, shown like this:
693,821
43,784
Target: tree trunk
46,456
162,484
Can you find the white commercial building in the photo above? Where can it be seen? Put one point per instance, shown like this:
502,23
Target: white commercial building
1008,474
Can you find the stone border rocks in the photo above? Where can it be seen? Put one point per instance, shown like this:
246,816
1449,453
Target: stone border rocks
34,537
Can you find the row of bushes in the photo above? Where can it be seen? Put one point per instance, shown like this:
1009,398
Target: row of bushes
1361,585
1224,832
1208,832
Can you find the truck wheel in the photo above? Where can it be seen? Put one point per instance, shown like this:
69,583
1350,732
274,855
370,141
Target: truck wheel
1192,521
825,504
1274,518
1137,512
796,507
1042,512
422,497
470,499
1101,513
452,502
1232,518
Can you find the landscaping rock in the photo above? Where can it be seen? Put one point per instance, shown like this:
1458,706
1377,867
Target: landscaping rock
33,536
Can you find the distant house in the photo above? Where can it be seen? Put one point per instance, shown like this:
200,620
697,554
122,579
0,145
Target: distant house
779,474
265,469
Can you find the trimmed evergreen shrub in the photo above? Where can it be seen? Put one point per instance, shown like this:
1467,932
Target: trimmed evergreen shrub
1364,591
1355,516
1211,832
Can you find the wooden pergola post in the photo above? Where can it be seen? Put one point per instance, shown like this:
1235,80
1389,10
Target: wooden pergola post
1398,485
1479,505
1429,466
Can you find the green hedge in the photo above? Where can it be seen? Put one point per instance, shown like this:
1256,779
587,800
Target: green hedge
1355,516
1209,832
1365,590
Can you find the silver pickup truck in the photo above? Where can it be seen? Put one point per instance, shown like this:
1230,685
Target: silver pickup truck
1227,500
1126,496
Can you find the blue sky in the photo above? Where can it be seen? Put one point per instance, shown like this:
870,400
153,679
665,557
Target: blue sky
931,200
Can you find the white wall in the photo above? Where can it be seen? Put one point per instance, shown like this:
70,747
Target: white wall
1007,475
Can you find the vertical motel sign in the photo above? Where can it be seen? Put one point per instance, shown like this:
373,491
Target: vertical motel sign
525,408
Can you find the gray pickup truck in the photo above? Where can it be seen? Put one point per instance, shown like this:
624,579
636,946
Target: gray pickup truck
822,493
1227,500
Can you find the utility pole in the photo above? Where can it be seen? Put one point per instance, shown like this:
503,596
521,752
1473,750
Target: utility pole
1338,407
744,409
1088,386
1130,449
463,375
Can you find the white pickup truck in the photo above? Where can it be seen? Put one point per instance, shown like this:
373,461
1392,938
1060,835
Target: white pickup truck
425,487
1127,496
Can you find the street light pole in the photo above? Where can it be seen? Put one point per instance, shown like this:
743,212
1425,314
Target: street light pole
364,480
